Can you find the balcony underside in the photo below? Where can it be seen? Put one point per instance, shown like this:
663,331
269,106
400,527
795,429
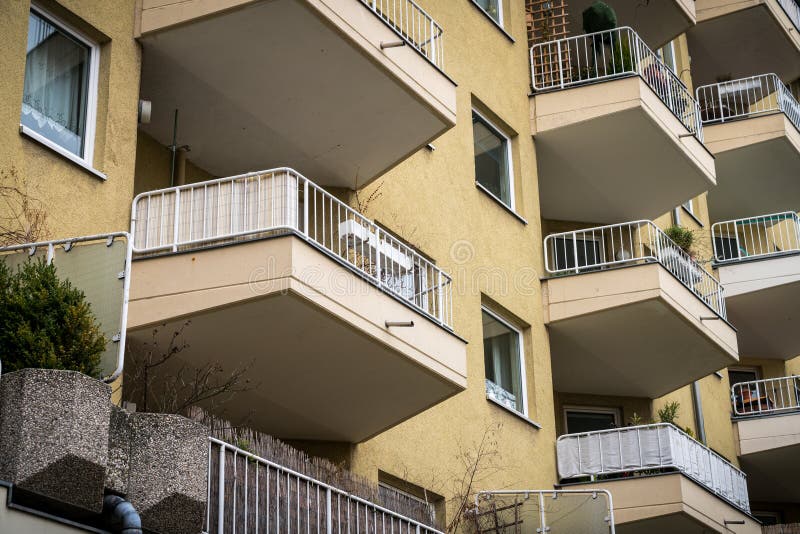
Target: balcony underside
768,451
669,504
762,297
323,364
759,31
758,166
633,331
289,80
611,152
656,22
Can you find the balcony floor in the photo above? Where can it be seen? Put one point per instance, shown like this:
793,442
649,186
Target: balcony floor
670,504
762,297
759,31
323,364
633,331
769,447
758,166
632,165
258,84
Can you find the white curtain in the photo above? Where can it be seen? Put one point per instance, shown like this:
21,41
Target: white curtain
56,85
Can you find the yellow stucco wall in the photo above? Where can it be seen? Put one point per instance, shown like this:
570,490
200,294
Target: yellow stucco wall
431,200
77,202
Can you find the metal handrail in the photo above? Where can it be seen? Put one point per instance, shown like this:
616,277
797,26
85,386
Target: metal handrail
612,54
287,500
282,201
766,397
621,450
414,25
747,97
540,499
750,238
631,243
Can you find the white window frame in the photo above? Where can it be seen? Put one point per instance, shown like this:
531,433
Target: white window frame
499,20
87,159
616,412
507,140
522,375
674,66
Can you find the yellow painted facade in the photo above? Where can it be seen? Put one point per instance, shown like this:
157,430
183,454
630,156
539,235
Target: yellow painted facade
494,253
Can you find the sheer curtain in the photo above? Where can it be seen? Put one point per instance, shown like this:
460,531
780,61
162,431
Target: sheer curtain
56,85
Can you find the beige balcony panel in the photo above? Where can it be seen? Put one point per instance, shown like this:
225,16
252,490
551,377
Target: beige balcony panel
670,504
258,84
758,166
633,331
656,22
762,297
325,365
613,151
739,38
768,451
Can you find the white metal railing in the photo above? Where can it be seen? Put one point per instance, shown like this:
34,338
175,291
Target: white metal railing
646,448
610,54
766,397
247,493
756,237
414,25
281,201
587,511
792,9
747,97
110,307
630,243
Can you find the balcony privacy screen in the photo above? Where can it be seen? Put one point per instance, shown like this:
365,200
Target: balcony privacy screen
648,447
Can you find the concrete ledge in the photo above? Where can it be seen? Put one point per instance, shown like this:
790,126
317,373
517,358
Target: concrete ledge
54,435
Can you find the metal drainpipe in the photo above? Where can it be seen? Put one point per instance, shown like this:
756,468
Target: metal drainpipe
697,402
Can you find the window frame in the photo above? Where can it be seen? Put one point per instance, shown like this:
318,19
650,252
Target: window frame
756,371
523,381
87,158
499,20
616,412
511,205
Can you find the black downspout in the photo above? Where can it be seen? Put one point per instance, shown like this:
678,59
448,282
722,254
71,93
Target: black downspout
121,516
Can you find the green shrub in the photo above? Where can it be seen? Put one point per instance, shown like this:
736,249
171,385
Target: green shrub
683,237
669,412
599,17
45,322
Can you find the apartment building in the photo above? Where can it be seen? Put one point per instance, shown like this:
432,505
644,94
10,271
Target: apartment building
436,234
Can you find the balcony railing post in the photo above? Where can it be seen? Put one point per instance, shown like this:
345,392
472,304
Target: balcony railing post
433,42
378,247
328,511
575,251
175,216
439,290
558,63
221,492
306,204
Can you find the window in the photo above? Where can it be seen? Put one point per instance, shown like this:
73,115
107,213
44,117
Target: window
492,160
742,374
564,252
502,356
667,55
689,206
493,8
59,93
412,500
588,419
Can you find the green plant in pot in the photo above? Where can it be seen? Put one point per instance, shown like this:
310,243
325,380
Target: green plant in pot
599,17
681,236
